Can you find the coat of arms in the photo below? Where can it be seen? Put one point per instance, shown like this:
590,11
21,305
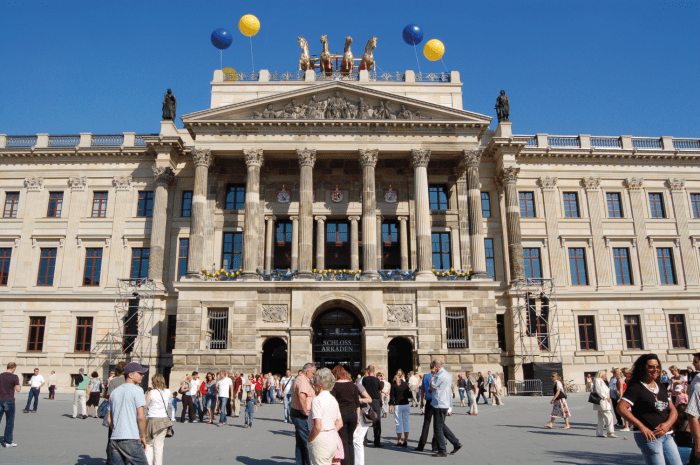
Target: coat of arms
390,195
283,195
337,195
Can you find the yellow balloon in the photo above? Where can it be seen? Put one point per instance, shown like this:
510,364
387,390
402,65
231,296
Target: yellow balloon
249,25
434,50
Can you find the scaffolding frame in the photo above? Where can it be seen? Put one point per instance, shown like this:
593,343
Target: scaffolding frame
536,322
131,336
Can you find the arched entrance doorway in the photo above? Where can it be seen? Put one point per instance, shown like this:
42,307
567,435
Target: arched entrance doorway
274,358
400,356
338,340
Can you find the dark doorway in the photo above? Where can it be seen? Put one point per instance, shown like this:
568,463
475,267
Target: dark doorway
400,356
274,359
338,340
337,253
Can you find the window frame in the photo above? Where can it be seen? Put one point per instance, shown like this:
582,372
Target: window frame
5,263
14,205
441,252
486,201
436,187
672,258
86,337
141,259
629,266
531,261
655,204
593,325
620,204
96,265
54,207
38,344
687,341
626,326
585,267
527,210
148,198
48,266
233,251
569,202
180,257
492,259
236,192
101,204
463,341
185,201
695,205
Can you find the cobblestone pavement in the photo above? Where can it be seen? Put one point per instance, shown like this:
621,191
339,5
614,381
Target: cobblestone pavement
498,435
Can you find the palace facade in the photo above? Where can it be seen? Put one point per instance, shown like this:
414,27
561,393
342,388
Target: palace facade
355,220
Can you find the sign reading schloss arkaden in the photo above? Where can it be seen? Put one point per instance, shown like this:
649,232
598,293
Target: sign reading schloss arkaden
338,346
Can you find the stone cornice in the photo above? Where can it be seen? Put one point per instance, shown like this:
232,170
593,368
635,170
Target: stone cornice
535,155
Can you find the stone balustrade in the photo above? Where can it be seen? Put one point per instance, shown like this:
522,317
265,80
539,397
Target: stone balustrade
84,139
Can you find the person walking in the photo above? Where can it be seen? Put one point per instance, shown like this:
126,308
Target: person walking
195,396
271,389
81,384
399,406
428,410
646,405
324,420
210,397
94,391
461,388
127,419
173,406
497,389
348,397
481,384
384,393
187,405
560,408
413,386
35,384
489,384
9,385
52,385
373,386
604,408
471,394
612,385
251,406
358,438
157,419
441,388
225,392
302,396
287,383
237,394
113,384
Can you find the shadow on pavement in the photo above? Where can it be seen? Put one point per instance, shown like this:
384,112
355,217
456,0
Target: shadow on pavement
284,433
87,460
252,461
582,458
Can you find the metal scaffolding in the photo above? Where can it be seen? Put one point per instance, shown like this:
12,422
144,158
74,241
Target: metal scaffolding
131,335
535,322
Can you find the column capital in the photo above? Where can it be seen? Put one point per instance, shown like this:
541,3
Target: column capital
253,157
509,175
294,218
77,183
307,157
202,157
402,218
122,183
548,183
634,183
472,158
320,218
420,157
270,218
163,174
354,218
676,184
590,183
460,172
368,157
34,183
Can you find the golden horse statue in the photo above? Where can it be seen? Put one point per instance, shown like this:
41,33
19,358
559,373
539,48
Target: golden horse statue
346,66
325,63
305,58
368,59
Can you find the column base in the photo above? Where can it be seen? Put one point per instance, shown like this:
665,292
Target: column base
370,276
480,276
426,276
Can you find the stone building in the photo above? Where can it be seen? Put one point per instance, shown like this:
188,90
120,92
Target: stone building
359,221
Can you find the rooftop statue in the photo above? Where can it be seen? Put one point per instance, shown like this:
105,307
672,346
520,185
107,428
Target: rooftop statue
169,106
348,62
368,58
305,63
325,64
502,107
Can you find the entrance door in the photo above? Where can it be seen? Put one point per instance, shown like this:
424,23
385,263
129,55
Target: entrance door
274,359
400,356
338,341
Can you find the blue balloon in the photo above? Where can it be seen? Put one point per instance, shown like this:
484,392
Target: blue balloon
222,39
412,34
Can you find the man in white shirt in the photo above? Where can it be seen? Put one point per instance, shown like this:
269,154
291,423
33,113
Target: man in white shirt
52,385
441,389
286,385
35,385
196,396
225,387
695,378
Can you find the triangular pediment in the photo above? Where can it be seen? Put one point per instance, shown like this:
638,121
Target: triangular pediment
336,100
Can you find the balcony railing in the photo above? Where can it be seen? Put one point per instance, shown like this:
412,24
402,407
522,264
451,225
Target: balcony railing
336,75
564,141
64,141
531,141
21,141
687,144
107,140
606,142
646,143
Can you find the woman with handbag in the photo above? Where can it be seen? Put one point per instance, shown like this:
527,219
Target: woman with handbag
157,419
363,424
324,421
600,398
559,406
348,398
187,404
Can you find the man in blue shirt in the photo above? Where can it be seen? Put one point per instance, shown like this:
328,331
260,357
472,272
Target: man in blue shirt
127,418
426,396
441,389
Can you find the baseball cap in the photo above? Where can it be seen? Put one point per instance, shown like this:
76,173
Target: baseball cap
134,367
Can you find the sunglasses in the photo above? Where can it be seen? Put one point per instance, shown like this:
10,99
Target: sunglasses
653,367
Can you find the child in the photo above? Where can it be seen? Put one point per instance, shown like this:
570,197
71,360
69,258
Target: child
681,396
173,406
250,404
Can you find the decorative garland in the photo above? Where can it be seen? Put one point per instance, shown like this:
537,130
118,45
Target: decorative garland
452,272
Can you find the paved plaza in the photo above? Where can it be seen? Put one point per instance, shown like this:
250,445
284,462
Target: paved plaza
498,435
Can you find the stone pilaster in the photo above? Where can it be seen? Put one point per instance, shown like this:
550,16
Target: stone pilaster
164,176
380,218
420,160
454,244
354,246
472,159
603,266
509,179
252,227
320,242
269,244
556,254
123,197
307,158
463,215
295,242
403,238
368,160
688,253
646,252
72,252
27,252
195,262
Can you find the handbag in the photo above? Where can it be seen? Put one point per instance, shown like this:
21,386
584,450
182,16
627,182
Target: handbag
562,394
170,432
368,414
594,398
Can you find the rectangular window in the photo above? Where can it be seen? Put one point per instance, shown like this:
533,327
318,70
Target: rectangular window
533,269
527,204
695,204
438,197
186,204
182,257
577,263
679,338
235,197
83,334
232,251
666,270
283,245
614,205
99,205
37,324
172,329
457,337
633,332
145,206
139,263
586,333
485,205
93,267
11,205
337,248
55,205
622,266
490,260
441,251
26,378
218,328
5,255
47,266
501,330
571,205
391,247
656,204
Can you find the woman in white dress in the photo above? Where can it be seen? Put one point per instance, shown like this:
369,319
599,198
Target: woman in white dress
559,406
604,409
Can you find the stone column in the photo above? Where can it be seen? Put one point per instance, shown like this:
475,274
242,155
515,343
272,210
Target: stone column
509,178
557,255
202,160
689,253
403,238
307,158
164,176
295,242
420,160
647,257
463,216
354,247
472,159
604,272
269,234
368,160
252,227
380,218
320,243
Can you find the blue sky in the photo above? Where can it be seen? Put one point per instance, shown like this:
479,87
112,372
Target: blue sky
569,67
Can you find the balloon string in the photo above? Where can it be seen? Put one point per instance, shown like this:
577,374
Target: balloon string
443,64
221,57
417,62
251,52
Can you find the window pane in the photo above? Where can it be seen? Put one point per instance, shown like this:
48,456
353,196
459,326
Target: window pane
186,204
667,273
5,256
485,205
527,204
622,266
490,261
614,208
571,205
